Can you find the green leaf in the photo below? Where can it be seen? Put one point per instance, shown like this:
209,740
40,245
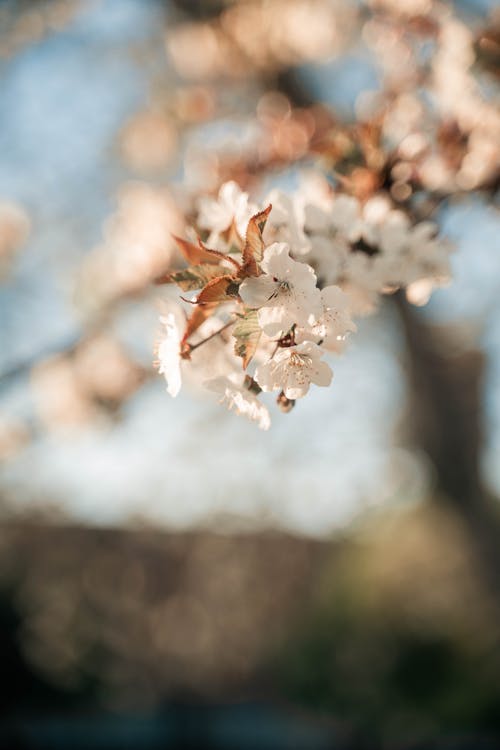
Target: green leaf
247,333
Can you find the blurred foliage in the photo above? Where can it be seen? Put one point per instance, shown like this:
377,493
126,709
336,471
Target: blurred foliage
402,641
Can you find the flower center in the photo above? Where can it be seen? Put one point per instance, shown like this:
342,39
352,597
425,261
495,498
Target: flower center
283,287
300,360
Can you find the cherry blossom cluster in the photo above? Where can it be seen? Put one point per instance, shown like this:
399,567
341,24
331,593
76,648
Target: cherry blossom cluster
438,112
269,291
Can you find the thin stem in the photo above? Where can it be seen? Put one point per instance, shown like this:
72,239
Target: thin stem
275,349
192,347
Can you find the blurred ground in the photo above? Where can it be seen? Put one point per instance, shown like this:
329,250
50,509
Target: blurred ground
390,633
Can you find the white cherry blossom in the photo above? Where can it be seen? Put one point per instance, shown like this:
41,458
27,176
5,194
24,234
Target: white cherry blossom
244,402
360,279
168,351
214,358
285,294
316,220
335,323
345,217
293,369
373,249
328,256
232,204
410,254
286,222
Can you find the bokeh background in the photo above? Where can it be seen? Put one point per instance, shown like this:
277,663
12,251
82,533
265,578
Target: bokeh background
169,575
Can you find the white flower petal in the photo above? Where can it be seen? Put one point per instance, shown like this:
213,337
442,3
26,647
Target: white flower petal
285,294
232,204
169,354
293,369
256,292
240,399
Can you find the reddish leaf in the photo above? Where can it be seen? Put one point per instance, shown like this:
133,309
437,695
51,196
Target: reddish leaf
221,289
194,254
218,254
198,316
254,244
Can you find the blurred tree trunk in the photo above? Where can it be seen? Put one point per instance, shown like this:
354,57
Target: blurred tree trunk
446,409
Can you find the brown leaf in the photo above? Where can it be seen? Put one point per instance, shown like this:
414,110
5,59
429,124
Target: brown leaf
198,316
254,244
193,277
222,289
194,254
218,254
